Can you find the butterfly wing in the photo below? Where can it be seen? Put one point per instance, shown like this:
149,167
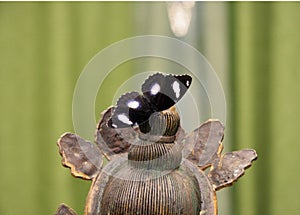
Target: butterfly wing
165,91
184,83
131,108
160,92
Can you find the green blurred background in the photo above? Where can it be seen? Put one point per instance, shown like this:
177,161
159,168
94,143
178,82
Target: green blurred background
253,47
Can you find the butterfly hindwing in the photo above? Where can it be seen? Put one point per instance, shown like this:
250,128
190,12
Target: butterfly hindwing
131,108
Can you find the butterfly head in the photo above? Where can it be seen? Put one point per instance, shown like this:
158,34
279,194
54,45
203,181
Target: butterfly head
159,93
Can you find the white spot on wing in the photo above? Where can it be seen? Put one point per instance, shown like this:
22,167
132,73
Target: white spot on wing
133,104
123,118
155,89
176,89
187,83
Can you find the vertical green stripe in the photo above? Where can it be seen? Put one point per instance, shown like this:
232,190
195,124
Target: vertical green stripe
18,151
285,109
241,104
265,63
251,90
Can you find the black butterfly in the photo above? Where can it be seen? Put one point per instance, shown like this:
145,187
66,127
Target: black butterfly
160,92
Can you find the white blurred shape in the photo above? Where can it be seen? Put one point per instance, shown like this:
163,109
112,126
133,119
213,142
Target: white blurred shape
180,14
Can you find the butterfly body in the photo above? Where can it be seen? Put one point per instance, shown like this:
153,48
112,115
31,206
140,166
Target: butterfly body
160,92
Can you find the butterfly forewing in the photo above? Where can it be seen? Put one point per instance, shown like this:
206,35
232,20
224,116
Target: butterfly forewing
164,91
185,80
176,86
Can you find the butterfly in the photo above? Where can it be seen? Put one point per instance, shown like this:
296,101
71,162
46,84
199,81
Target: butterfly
160,92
